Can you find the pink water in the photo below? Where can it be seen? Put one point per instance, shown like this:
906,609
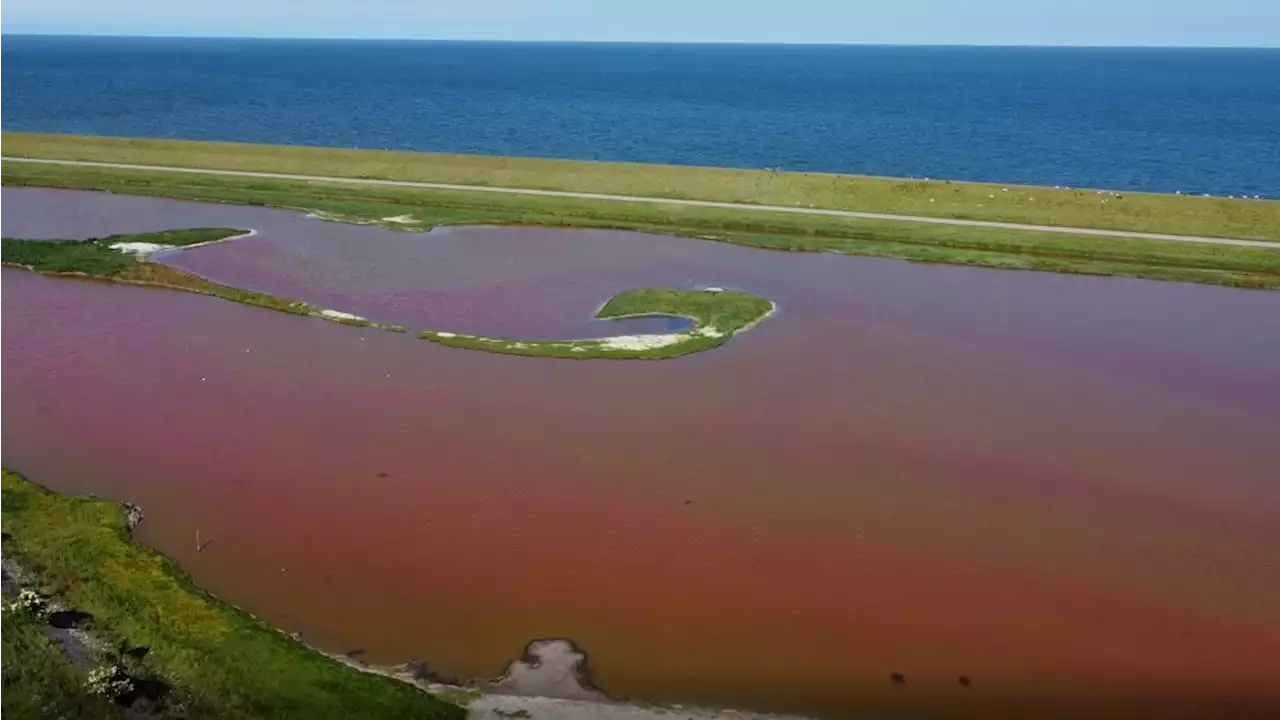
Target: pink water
1065,488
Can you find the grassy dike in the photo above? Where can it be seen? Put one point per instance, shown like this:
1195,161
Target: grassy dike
220,661
1145,212
420,209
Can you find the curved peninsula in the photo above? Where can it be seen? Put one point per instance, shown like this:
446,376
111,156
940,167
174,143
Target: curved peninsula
125,259
716,314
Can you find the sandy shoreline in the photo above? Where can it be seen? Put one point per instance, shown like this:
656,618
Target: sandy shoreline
551,680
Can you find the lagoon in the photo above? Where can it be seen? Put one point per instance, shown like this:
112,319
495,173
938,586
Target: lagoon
1058,486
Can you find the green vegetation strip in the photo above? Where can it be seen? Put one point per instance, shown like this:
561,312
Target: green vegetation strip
1144,212
415,209
96,258
717,315
221,661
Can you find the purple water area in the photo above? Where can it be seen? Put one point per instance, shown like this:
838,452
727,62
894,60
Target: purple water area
511,282
547,283
42,214
1061,486
463,279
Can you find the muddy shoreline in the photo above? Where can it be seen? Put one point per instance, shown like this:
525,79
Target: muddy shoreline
551,679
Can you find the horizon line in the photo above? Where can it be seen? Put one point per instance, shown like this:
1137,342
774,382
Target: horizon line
830,43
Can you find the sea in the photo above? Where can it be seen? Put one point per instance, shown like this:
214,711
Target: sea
1194,121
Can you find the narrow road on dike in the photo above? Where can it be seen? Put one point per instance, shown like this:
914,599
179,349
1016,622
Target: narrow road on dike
668,201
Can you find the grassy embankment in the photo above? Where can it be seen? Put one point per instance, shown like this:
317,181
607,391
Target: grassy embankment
95,258
717,316
220,661
986,247
1146,212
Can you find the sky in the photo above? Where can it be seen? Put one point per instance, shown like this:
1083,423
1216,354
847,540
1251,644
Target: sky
927,22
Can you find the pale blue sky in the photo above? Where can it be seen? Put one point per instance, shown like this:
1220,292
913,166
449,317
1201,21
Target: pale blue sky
1020,22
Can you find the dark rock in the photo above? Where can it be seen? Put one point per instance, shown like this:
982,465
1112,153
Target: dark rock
423,672
965,681
898,678
69,619
147,694
138,653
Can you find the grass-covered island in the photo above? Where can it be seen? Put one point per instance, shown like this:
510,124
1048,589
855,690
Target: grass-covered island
717,315
123,259
111,256
196,656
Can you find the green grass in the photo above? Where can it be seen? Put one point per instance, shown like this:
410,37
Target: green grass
716,316
982,247
95,256
728,311
39,682
88,256
183,237
1147,212
222,661
95,259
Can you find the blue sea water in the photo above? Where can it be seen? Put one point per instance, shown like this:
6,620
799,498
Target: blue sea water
1190,120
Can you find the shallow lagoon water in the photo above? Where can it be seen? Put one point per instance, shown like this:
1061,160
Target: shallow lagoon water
1062,487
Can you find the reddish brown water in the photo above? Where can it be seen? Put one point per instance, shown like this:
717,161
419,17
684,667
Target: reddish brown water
1065,488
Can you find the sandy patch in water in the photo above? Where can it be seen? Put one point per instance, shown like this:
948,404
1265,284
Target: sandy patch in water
140,248
641,342
338,315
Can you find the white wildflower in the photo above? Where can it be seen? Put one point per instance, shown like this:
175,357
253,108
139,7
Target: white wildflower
109,681
29,602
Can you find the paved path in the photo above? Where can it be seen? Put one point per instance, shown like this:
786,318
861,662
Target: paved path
669,201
